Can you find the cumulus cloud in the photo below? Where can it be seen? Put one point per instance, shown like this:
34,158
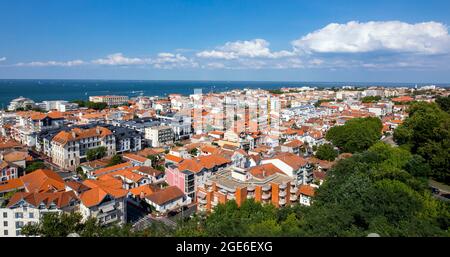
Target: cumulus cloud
256,48
118,59
170,60
393,36
2,59
51,63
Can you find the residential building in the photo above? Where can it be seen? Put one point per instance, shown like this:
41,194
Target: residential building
105,200
159,136
25,208
265,183
109,99
69,148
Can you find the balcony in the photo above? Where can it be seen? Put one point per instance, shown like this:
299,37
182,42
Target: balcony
202,201
266,196
283,186
282,194
293,198
282,201
266,188
294,190
250,188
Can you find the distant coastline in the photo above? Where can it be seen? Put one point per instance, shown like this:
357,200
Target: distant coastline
65,89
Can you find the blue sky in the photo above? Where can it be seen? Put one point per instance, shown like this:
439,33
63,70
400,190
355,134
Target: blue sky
370,41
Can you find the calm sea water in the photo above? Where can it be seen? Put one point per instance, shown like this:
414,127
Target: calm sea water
40,90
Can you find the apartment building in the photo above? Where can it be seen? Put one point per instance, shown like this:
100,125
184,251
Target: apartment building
109,99
69,148
188,174
159,136
264,183
24,208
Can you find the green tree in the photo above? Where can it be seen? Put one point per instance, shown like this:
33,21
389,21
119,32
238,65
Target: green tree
96,153
356,135
444,103
35,166
371,99
426,132
116,159
326,152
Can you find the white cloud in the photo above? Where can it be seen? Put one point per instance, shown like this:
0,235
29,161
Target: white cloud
120,60
2,59
256,48
214,65
170,60
393,36
51,63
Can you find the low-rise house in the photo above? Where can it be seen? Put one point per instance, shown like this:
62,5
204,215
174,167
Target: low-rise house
292,165
137,160
105,200
293,146
18,158
306,193
167,199
155,176
8,171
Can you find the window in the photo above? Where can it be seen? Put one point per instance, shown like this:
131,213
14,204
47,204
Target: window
19,224
5,232
31,215
17,232
5,215
19,215
5,223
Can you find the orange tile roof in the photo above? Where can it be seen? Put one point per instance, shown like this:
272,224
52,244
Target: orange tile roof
173,158
60,199
100,189
265,170
294,143
134,157
165,195
64,137
143,190
16,156
306,190
43,181
291,159
10,185
112,168
202,162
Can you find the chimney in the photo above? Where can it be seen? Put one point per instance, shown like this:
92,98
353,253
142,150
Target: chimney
97,130
73,134
264,173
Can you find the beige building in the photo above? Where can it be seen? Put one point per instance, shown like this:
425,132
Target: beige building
159,136
109,99
69,148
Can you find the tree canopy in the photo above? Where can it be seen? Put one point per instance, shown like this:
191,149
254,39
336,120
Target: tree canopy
426,132
326,152
356,135
96,153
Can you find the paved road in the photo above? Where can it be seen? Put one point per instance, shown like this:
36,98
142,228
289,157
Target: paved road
389,140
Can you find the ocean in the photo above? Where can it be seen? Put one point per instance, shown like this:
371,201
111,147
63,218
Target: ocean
40,90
